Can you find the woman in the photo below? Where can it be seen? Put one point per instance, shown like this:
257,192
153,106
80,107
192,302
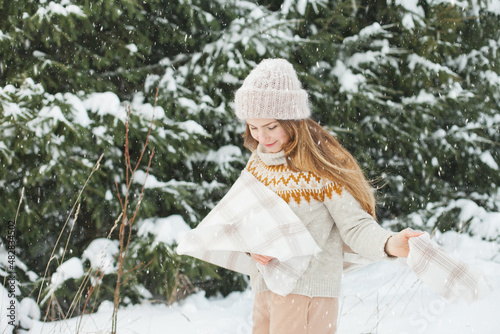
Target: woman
323,185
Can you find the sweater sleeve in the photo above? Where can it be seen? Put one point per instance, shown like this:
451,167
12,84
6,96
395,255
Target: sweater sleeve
357,228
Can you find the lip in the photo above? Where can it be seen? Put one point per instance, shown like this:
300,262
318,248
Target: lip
269,145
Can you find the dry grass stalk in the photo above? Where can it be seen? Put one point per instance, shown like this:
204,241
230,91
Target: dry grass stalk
125,228
52,257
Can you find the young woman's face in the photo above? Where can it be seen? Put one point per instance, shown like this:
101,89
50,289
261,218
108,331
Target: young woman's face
268,132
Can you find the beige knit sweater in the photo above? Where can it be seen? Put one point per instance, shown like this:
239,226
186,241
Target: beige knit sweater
330,213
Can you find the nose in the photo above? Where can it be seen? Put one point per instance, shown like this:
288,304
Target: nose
262,136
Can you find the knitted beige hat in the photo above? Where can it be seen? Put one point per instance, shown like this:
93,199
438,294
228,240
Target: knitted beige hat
272,90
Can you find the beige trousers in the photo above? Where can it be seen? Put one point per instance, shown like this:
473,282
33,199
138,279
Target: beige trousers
294,314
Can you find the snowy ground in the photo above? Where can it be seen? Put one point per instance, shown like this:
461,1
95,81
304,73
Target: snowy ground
380,298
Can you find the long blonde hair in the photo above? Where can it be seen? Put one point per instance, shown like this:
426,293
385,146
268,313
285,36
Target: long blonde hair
312,149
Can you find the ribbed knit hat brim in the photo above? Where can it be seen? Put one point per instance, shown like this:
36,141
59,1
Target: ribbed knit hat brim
272,90
275,104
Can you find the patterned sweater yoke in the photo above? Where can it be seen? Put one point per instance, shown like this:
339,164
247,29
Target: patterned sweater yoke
293,187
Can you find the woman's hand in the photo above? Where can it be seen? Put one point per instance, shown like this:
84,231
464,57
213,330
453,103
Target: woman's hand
262,259
397,245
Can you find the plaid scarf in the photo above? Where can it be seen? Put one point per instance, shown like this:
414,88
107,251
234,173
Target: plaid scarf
448,276
251,218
